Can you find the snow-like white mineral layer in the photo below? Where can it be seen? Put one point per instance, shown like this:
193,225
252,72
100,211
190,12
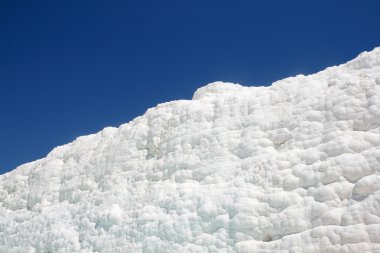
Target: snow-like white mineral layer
294,167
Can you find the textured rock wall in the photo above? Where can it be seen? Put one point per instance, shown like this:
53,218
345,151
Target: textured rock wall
294,167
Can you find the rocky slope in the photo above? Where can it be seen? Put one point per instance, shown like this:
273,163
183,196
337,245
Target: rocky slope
294,167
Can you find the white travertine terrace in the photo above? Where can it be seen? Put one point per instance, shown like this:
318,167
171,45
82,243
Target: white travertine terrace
293,167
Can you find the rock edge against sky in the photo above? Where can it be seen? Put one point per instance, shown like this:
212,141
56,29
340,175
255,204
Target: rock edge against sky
294,167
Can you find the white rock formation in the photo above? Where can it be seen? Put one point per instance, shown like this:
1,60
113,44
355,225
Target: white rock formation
294,167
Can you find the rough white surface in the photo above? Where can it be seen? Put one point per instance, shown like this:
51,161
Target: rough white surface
294,167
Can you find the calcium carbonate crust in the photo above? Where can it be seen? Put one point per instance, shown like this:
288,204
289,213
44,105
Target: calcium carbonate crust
294,167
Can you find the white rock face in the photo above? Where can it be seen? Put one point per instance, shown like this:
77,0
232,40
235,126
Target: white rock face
294,167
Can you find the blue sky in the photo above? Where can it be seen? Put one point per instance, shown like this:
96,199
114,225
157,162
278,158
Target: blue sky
71,68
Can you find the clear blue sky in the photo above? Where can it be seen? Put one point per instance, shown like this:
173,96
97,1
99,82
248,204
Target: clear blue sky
70,68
